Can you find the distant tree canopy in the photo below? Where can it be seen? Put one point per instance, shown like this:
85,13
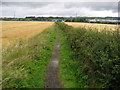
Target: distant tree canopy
78,19
44,18
65,19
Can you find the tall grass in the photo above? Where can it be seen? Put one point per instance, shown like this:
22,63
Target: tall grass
97,54
24,63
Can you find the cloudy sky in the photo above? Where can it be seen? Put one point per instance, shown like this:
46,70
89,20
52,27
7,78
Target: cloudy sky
23,8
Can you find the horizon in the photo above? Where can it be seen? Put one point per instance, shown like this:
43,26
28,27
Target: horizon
60,16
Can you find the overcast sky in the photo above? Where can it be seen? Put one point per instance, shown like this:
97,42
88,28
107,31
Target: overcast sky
69,8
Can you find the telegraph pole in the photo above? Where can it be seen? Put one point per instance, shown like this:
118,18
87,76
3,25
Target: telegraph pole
76,14
14,14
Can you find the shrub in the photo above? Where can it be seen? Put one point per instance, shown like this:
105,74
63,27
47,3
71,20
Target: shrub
97,53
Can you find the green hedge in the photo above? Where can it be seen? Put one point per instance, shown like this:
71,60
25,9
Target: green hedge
97,53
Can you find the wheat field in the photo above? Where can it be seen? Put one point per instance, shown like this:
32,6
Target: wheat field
15,30
100,27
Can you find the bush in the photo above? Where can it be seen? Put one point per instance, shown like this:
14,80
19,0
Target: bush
97,53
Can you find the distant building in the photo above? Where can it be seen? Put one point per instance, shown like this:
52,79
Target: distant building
103,20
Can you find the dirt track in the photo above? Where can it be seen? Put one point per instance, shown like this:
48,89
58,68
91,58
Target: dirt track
52,77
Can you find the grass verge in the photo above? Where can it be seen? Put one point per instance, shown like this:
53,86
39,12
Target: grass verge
69,66
24,63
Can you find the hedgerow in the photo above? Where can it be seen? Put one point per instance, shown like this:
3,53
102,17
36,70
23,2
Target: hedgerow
98,54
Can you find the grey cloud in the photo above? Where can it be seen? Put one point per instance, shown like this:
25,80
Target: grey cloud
26,4
23,9
98,6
